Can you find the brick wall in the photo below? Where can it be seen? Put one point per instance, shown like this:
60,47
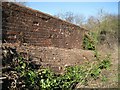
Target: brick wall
24,25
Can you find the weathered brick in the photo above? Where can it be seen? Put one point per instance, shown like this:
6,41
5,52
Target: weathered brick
37,28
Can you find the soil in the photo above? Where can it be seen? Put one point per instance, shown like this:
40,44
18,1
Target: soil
111,74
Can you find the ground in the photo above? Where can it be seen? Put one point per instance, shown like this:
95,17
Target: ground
58,58
111,75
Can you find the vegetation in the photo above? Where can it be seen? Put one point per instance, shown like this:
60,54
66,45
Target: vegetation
23,74
104,25
90,41
29,77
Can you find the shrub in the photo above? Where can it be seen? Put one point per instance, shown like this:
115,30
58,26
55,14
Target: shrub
90,41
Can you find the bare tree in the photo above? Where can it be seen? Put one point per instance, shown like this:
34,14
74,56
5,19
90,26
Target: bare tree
21,2
71,17
68,16
79,19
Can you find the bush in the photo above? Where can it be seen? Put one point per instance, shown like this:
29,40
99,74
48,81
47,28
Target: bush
90,41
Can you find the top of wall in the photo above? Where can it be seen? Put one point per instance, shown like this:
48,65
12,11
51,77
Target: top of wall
34,12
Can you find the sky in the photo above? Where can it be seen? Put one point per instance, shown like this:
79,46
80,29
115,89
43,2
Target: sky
66,0
84,8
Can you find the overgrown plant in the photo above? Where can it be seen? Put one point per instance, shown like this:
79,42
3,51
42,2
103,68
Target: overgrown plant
104,64
90,41
43,78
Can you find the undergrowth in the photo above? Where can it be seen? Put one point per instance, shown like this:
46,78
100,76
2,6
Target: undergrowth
43,78
90,41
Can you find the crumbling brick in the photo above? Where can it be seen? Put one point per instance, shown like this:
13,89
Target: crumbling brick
37,28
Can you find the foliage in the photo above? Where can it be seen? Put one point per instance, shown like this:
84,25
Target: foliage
43,78
104,78
104,25
104,64
90,41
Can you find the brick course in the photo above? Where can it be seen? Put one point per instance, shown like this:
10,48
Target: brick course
25,25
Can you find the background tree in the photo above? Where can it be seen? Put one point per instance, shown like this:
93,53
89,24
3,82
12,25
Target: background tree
104,24
77,19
